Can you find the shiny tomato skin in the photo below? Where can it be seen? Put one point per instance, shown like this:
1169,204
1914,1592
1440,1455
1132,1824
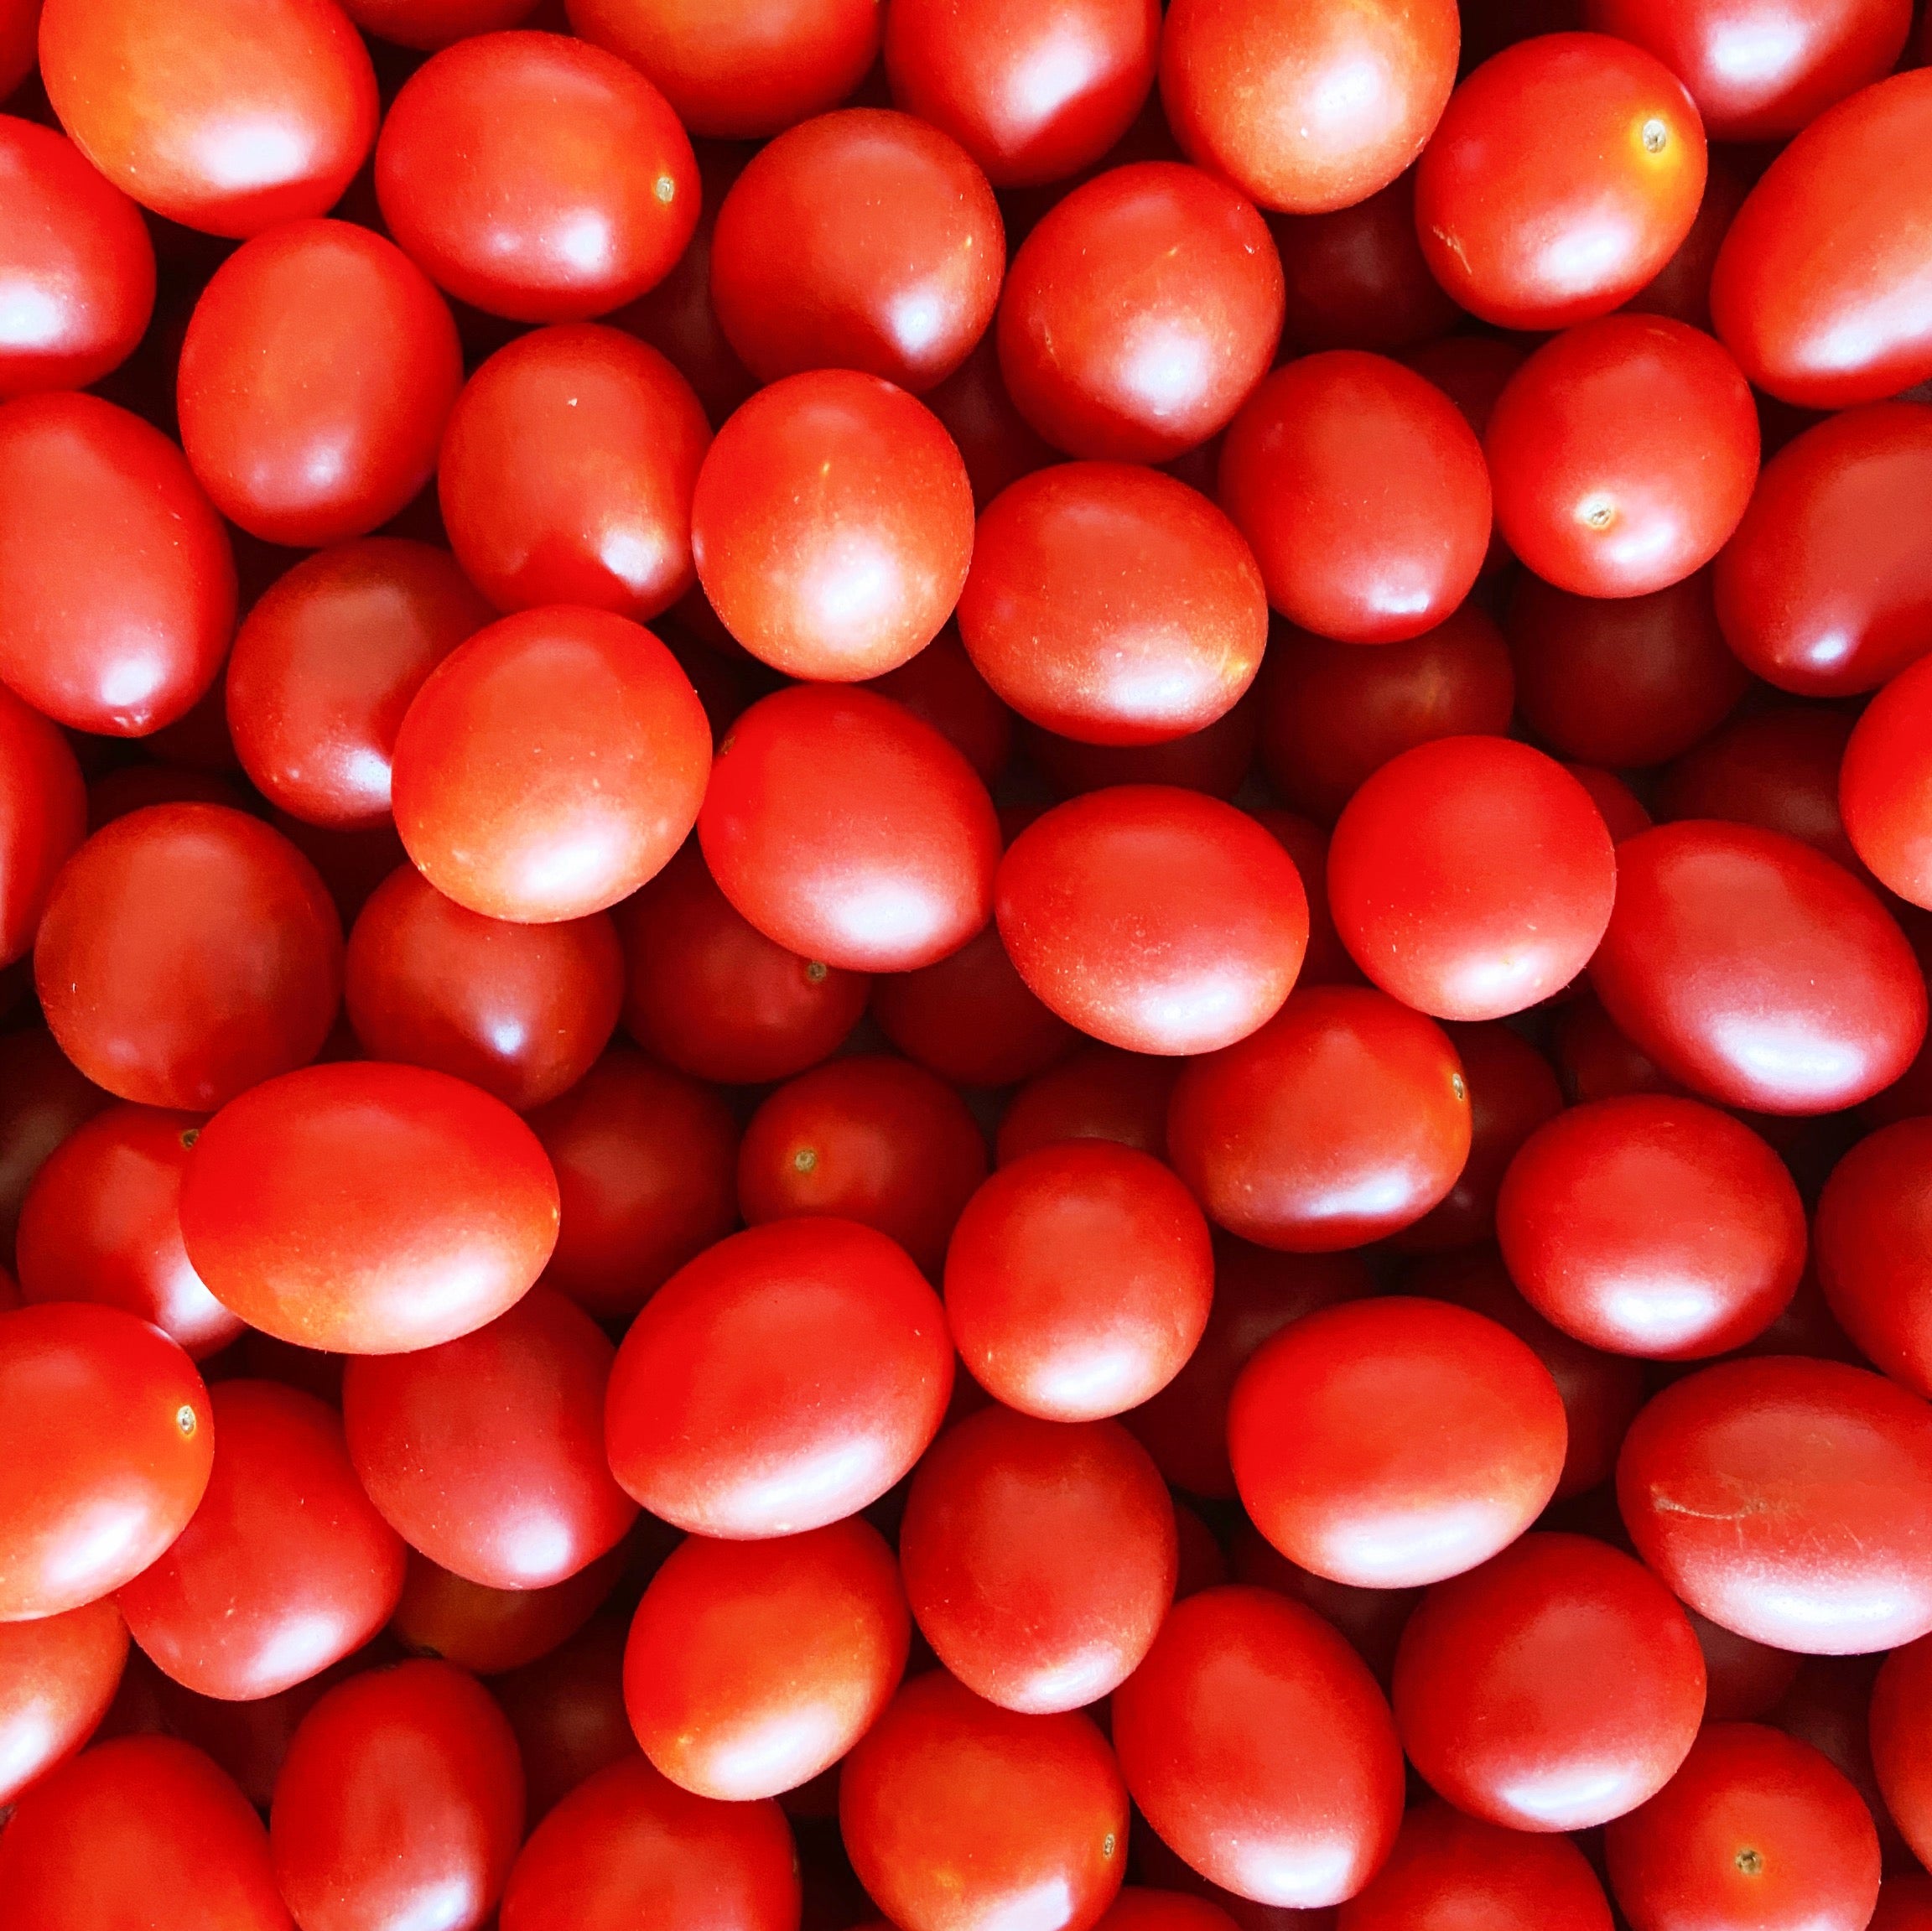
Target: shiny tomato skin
1898,1738
784,1379
1820,287
58,1677
1785,1499
1095,1092
368,1209
1884,780
489,1631
43,1098
1870,1235
43,818
941,688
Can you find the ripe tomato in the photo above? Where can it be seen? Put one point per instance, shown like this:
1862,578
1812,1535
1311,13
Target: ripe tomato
1899,1736
941,688
1884,783
43,818
1870,1235
486,1631
1095,1092
428,24
1140,1908
58,1677
970,1018
43,1098
1213,760
567,1709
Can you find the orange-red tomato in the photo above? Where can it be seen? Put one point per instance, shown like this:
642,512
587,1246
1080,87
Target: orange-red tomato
58,1677
1885,785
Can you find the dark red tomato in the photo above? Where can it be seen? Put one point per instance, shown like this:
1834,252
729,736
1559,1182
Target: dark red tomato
646,1165
537,176
1901,1741
1140,1908
101,1223
1555,1688
957,1813
401,1802
567,472
1345,1119
996,442
1652,1226
970,1018
1095,1092
1214,760
1256,1743
1471,877
1307,110
1622,681
351,864
1202,1563
1904,1904
1140,314
1327,961
1448,1871
120,642
1390,1443
76,267
228,115
1333,713
833,526
784,1379
1154,918
43,1098
1757,972
1824,590
1874,1248
1040,1558
43,818
1079,1280
486,1631
131,788
567,1710
1819,289
1828,1705
753,1666
1787,1500
869,1139
742,69
1623,454
1363,493
1113,605
428,24
941,688
844,829
58,1678
1744,1679
1682,288
706,991
1567,171
1371,1619
1883,782
1756,1828
157,1821
550,766
368,1209
187,952
19,26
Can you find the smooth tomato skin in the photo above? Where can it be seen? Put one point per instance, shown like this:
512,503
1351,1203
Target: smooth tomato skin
490,1631
44,1096
1140,314
954,1812
1345,1119
536,177
627,1847
1095,1092
401,1794
784,1379
1744,1680
1390,1443
1899,1736
1823,590
1785,1499
1113,605
1040,1558
43,818
550,765
566,473
58,1677
941,687
75,260
1755,971
1820,288
751,1666
1682,288
1153,918
1623,454
226,116
1870,1235
368,1209
841,573
1214,760
1257,1746
1555,1688
844,829
188,952
119,650
325,666
567,1709
1564,172
1363,493
1884,782
1757,1827
1307,110
159,1820
996,442
428,24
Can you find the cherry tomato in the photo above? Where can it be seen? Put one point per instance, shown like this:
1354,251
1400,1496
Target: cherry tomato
19,28
1884,781
1904,1904
486,1631
1745,1680
1140,1908
567,1709
1872,1247
1899,1734
1213,760
58,1677
970,1018
995,442
941,687
1095,1092
1682,288
43,818
1828,1705
43,1097
428,24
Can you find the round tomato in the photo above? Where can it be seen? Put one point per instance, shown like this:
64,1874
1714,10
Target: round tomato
567,1709
58,1678
487,1630
1886,781
1900,1734
1095,1092
971,1018
1872,1233
43,818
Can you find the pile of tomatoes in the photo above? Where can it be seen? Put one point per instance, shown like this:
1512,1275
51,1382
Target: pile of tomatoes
1173,1173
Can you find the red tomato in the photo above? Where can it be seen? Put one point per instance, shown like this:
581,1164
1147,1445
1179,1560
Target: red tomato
550,766
1327,961
122,641
428,24
567,1710
228,115
537,176
996,442
1828,1705
784,1379
1097,1092
1745,1679
1904,1904
368,1209
19,27
58,1677
1213,760
970,1018
486,1631
567,472
1308,110
1371,1619
43,1098
941,688
1390,1443
1820,287
1567,170
1363,492
1757,972
832,524
1756,1828
1884,782
43,818
753,1666
1872,1251
1788,1500
1682,288
1139,1908
1901,1701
